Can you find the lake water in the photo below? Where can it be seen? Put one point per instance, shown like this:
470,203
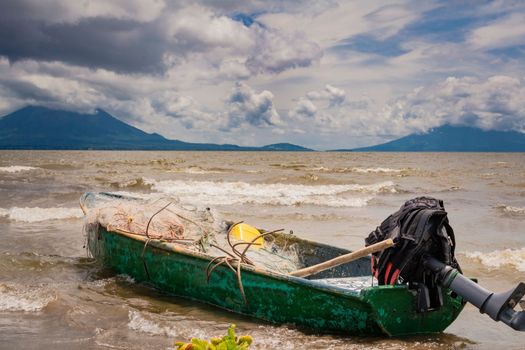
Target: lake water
52,296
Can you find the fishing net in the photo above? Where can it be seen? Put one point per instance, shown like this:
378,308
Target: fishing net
158,219
197,229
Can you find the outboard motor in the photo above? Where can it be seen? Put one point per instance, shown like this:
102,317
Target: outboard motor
423,257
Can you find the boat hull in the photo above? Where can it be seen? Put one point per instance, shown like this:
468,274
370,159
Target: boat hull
277,298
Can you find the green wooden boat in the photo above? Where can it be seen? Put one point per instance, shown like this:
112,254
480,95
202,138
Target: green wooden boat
311,302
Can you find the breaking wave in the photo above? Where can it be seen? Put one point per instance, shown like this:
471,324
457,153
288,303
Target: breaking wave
137,184
450,189
16,168
17,298
199,170
137,322
510,210
60,166
162,324
499,258
377,170
292,166
225,193
40,214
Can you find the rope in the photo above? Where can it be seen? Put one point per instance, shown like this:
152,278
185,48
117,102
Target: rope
229,259
152,216
143,259
149,239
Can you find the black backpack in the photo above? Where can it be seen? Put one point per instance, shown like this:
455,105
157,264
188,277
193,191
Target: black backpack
419,227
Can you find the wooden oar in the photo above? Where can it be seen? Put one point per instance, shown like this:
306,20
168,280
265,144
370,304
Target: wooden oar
84,208
343,259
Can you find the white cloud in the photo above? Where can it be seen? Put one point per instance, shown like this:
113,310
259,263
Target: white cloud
498,7
247,106
197,29
304,109
239,51
333,95
233,69
501,33
177,105
388,20
328,117
336,21
276,52
331,99
496,103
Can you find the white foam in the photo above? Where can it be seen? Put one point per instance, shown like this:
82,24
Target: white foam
37,214
27,299
126,278
197,170
358,170
376,170
511,210
16,168
225,193
161,324
500,258
137,322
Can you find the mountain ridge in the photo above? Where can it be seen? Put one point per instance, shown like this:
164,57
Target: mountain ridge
450,138
36,127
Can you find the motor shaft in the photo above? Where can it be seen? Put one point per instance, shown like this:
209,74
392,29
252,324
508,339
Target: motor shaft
499,306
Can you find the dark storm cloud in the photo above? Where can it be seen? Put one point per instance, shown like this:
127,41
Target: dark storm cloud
25,90
119,45
121,37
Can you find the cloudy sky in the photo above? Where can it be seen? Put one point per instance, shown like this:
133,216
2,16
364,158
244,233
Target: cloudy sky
323,74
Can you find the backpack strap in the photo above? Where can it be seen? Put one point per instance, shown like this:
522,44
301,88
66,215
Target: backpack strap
418,233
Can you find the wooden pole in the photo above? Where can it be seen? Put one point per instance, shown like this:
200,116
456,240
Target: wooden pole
343,259
84,208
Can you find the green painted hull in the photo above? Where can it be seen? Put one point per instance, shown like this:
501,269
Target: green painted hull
277,298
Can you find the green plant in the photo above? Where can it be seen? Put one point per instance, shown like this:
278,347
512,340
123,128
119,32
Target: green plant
228,342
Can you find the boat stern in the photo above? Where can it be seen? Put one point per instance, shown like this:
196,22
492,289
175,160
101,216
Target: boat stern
395,310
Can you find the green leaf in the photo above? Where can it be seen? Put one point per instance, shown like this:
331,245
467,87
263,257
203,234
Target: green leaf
227,342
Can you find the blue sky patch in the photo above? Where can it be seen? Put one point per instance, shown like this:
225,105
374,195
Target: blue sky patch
446,23
245,19
390,47
512,52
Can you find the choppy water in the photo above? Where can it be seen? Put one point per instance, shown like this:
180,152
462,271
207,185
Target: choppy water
53,297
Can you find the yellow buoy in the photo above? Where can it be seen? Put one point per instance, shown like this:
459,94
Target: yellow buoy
247,233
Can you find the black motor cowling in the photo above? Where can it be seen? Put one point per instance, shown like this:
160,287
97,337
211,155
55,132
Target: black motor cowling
423,257
419,227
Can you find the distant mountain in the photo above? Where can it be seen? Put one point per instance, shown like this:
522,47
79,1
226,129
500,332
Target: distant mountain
450,138
284,147
43,128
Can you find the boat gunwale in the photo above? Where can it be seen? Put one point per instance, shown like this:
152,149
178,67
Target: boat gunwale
175,248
